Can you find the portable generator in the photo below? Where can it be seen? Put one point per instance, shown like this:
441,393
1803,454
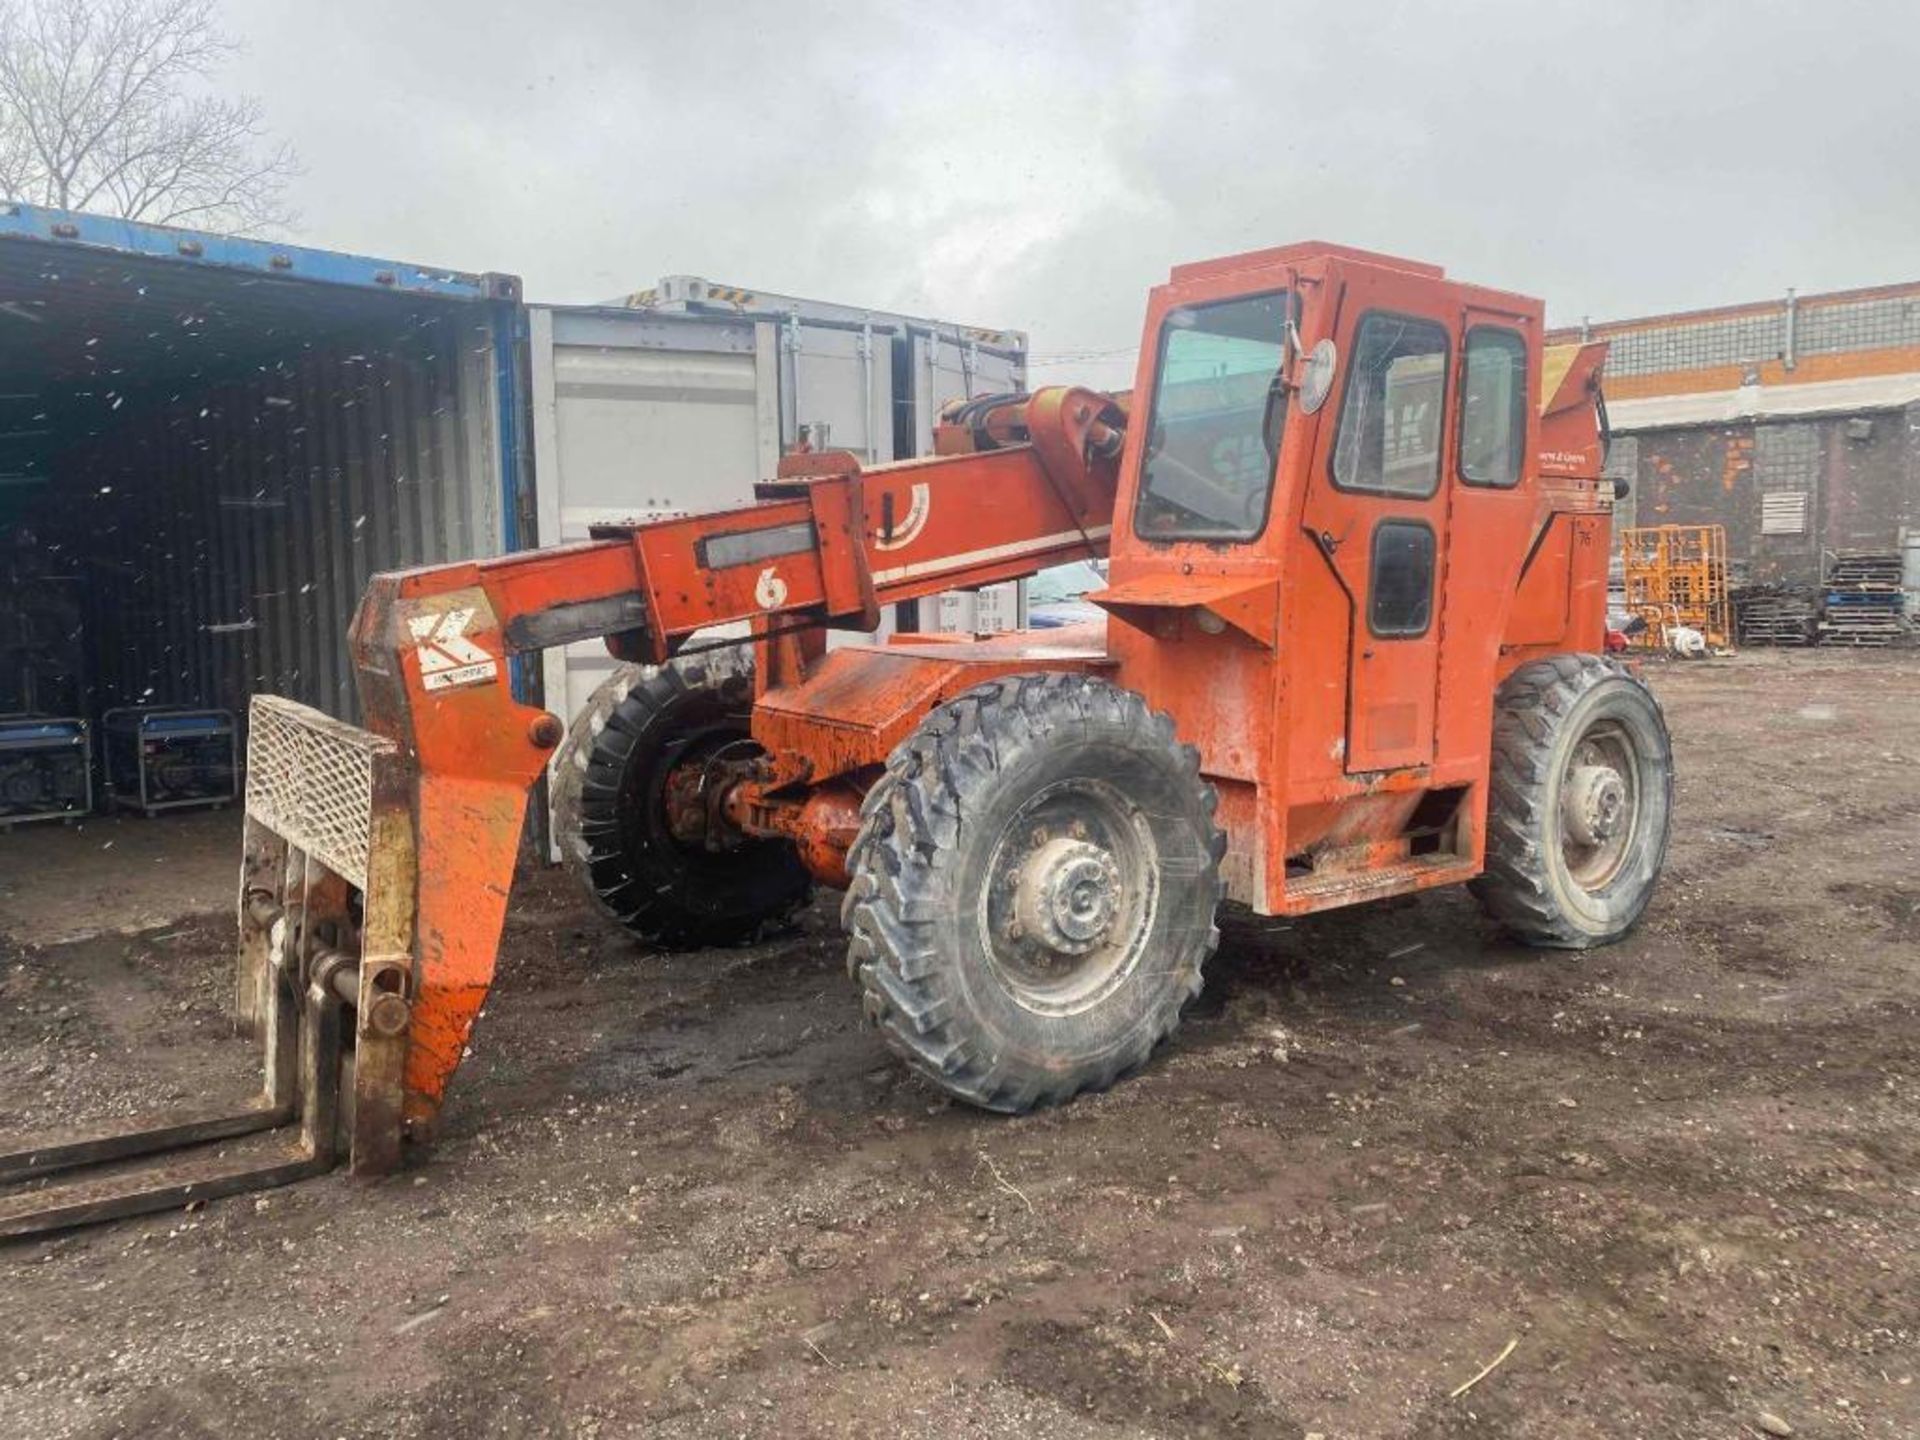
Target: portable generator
169,758
44,769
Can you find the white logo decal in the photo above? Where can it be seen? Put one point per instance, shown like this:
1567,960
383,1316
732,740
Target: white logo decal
770,591
919,507
447,657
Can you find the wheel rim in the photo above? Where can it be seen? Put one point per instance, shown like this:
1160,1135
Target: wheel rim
1600,805
678,790
680,767
1071,893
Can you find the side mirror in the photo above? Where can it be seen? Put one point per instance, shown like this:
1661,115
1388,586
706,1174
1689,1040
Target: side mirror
1317,383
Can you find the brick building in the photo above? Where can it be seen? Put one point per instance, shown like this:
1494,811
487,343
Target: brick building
1794,422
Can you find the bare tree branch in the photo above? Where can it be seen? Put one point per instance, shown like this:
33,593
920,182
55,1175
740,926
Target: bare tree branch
104,104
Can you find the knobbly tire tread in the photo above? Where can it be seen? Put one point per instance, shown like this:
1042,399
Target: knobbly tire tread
914,820
623,714
1529,714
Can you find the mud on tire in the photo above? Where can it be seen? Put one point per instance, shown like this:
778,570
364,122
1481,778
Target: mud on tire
608,788
1581,802
1033,890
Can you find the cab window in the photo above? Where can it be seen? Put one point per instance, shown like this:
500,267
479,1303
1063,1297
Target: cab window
1493,407
1213,426
1390,430
1401,578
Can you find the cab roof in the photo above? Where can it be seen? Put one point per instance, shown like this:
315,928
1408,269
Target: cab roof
1298,251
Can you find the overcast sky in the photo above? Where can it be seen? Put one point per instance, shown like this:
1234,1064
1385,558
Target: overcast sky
1039,166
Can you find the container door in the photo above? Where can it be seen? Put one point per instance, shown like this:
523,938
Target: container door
1376,512
947,366
836,387
638,416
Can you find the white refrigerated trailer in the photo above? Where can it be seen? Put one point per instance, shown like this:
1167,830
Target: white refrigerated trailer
678,397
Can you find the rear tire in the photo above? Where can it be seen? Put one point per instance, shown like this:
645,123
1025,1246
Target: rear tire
609,789
1581,802
1033,890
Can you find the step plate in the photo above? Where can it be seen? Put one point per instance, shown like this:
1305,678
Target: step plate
1349,887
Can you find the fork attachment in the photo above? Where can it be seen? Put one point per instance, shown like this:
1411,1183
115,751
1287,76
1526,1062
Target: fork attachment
325,981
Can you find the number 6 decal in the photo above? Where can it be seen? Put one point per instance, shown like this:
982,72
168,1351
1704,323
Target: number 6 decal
770,591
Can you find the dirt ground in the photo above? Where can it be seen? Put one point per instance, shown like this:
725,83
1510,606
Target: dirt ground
691,1196
115,874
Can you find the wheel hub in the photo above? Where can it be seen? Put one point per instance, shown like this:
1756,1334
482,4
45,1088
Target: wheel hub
1593,804
1068,895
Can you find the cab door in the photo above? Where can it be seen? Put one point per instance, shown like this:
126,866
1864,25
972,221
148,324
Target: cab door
1376,513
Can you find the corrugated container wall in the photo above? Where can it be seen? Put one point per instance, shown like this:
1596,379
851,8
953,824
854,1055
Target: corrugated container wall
211,444
226,534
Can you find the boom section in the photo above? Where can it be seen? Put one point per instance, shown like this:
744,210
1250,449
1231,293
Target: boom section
827,545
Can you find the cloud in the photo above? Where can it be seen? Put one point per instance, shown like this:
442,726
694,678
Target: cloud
1041,167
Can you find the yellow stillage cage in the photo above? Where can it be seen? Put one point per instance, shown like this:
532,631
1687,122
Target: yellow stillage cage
1677,575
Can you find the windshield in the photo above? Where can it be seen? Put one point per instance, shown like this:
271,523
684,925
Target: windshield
1208,470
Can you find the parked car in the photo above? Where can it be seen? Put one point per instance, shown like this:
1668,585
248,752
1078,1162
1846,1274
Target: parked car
1057,597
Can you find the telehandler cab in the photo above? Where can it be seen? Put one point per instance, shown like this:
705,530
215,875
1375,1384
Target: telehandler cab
1358,539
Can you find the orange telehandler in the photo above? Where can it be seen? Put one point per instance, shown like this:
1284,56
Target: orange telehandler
1358,539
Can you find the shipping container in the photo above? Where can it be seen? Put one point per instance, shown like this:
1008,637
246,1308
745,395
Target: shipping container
211,443
872,382
636,417
867,381
679,397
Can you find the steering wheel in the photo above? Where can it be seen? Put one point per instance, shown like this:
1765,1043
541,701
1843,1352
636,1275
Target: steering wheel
1232,503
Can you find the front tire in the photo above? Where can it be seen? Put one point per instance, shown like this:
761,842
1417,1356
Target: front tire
1033,890
611,778
1581,803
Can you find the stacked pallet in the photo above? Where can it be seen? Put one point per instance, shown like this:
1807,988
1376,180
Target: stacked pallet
1774,614
1864,602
